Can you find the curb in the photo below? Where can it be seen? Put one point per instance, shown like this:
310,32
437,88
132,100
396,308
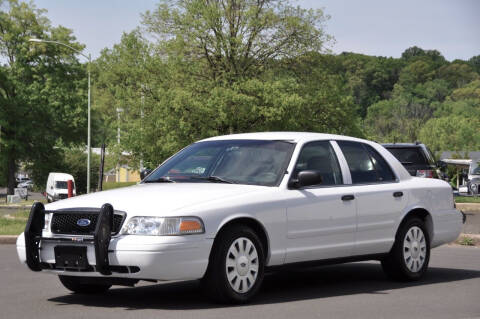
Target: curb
475,236
469,207
8,239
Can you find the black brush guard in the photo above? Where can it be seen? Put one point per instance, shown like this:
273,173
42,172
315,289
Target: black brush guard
101,237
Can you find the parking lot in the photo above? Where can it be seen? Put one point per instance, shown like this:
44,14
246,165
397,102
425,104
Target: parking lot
451,289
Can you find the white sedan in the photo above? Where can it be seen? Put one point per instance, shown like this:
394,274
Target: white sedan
227,208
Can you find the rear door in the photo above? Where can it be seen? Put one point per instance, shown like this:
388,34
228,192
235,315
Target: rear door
379,196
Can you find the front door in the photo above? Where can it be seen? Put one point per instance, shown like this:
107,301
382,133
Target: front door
321,219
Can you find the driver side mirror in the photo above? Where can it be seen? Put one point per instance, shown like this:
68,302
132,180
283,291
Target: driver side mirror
144,173
306,178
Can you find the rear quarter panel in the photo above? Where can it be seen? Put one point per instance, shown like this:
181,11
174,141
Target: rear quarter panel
436,197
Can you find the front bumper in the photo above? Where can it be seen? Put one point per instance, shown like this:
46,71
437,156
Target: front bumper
127,256
138,257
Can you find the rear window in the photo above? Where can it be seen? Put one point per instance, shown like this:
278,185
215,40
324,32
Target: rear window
63,185
409,155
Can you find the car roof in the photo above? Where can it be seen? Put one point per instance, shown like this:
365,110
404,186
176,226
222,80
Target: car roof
304,137
285,136
62,176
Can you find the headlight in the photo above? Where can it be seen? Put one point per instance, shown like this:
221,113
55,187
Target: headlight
163,226
48,216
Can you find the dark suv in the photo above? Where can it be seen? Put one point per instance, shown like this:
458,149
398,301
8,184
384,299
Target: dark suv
416,158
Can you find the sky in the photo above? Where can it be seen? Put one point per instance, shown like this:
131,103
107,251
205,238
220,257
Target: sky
373,27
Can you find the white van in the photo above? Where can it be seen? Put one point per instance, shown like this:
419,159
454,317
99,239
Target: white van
57,186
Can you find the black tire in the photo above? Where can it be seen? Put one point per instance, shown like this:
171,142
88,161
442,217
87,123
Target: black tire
76,285
215,283
395,265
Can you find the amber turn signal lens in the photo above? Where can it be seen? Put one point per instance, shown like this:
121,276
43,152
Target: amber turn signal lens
190,226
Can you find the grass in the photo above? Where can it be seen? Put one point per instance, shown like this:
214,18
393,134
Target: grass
113,185
14,223
23,202
467,241
467,199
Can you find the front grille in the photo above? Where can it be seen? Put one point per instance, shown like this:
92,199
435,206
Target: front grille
66,222
62,196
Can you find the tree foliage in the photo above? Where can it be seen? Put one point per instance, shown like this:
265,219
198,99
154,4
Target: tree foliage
235,38
452,132
219,67
197,68
42,88
430,91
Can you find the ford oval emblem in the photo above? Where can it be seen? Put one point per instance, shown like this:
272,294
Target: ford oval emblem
83,222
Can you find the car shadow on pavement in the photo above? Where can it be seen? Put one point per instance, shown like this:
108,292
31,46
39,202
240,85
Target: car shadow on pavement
278,287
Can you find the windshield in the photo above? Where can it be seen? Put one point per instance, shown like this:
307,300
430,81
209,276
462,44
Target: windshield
250,162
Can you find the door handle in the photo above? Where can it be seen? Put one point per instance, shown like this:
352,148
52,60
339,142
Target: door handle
398,194
348,197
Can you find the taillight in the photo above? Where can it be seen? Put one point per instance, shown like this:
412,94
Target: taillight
425,173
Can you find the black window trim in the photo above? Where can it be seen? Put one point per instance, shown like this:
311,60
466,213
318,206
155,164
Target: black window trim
396,180
290,179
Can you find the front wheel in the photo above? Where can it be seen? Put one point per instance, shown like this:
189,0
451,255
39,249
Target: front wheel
76,285
410,254
236,268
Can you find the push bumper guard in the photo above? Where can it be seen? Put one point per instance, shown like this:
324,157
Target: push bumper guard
101,238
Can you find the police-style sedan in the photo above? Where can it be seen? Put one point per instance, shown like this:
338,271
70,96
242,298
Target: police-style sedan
227,208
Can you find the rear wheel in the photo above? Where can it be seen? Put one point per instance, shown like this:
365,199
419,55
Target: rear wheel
236,268
76,285
410,254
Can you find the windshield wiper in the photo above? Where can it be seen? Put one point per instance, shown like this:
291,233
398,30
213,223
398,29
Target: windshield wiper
213,178
160,180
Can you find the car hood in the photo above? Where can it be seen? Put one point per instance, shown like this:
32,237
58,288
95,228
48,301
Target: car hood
153,199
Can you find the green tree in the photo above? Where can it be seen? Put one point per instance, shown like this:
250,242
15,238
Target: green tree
42,89
475,63
75,163
415,53
455,133
463,101
235,38
457,74
218,67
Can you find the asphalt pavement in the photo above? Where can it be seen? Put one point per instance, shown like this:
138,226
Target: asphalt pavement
451,289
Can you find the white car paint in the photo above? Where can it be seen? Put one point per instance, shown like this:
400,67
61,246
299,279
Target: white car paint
300,224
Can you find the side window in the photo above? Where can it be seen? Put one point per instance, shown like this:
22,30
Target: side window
359,162
384,172
320,157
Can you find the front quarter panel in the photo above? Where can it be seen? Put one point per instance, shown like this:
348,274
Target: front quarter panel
267,208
